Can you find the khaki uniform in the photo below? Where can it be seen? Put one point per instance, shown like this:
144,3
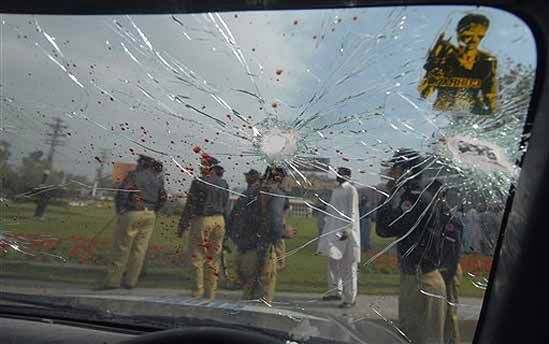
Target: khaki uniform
131,240
257,271
257,230
206,236
230,261
280,246
422,307
280,251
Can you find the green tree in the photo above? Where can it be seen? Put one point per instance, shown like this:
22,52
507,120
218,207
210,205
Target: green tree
31,173
4,152
6,173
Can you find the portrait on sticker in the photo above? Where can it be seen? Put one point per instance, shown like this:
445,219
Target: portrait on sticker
461,76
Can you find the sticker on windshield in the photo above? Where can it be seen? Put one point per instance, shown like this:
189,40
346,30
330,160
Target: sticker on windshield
462,75
479,154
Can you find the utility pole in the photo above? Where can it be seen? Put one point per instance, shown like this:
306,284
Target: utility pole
102,159
55,139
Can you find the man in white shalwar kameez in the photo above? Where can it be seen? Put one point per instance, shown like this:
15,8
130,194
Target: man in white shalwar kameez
340,241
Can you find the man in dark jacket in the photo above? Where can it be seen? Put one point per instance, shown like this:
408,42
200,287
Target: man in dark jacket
411,214
263,228
205,212
140,196
237,223
235,232
450,252
365,240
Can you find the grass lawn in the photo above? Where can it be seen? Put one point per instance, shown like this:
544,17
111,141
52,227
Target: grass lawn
305,271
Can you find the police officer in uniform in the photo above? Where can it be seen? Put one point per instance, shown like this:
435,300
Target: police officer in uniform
410,216
141,195
205,211
234,231
450,252
263,227
464,77
242,224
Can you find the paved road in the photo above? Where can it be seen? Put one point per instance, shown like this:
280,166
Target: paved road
368,306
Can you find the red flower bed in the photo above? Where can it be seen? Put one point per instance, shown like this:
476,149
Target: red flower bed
388,263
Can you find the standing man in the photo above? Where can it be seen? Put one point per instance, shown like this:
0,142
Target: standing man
450,225
236,226
140,196
265,226
205,211
464,77
244,219
187,216
411,216
320,216
365,243
280,246
473,232
490,223
340,241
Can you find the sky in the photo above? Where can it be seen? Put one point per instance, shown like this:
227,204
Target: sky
345,81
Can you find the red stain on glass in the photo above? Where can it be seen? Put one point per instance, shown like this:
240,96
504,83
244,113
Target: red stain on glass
274,105
197,149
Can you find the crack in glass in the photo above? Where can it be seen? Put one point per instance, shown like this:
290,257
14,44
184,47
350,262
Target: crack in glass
425,107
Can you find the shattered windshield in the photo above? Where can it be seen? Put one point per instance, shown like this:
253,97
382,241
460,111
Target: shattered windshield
338,174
